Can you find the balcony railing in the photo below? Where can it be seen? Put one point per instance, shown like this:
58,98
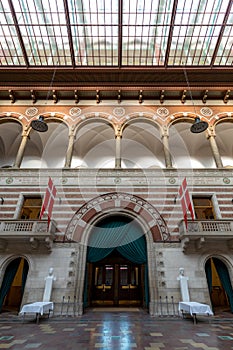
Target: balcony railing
27,226
206,226
198,232
28,234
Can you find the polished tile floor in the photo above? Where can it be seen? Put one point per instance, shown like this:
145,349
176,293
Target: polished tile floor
121,330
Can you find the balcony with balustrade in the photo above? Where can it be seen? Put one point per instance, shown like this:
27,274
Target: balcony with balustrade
201,235
23,236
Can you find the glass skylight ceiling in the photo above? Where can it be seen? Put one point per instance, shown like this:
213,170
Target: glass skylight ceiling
116,33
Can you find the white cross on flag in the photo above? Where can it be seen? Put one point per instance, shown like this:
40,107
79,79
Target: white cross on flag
49,198
185,201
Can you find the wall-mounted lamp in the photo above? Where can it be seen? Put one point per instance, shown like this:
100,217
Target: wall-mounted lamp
39,124
175,199
198,126
1,200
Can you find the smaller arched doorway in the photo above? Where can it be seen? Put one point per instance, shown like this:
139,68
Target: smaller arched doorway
13,283
116,264
219,284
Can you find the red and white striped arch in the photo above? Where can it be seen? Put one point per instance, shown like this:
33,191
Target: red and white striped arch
118,203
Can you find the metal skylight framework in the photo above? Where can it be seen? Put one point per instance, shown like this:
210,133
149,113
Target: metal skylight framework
116,33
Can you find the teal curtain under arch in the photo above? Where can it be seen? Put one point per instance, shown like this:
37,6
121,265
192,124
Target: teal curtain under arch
225,279
121,234
8,279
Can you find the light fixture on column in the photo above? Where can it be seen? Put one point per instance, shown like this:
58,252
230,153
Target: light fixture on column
39,124
198,126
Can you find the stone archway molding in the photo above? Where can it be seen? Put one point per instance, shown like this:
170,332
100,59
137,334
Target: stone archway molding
117,201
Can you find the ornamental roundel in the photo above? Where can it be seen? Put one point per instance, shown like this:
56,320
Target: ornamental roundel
162,112
226,180
206,111
31,112
75,112
119,111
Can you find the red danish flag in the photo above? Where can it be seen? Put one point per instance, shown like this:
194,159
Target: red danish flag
186,201
49,198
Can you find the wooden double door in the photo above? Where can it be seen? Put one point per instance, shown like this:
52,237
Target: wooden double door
116,281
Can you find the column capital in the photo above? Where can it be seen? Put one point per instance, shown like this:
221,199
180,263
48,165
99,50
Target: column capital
26,130
72,130
164,131
118,131
210,132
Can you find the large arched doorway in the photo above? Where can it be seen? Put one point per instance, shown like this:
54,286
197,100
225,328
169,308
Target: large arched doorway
219,284
116,264
13,283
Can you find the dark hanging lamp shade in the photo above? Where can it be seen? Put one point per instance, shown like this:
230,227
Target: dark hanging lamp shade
39,124
198,126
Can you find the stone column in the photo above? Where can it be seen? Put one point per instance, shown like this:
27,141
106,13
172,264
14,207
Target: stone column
167,154
21,149
211,136
118,136
69,152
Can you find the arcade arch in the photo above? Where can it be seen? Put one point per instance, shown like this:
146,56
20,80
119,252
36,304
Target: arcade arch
219,283
13,284
224,140
116,263
10,139
142,146
47,149
189,150
152,225
94,145
140,142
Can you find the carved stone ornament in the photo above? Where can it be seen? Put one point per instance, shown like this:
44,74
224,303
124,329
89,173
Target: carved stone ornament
162,112
31,111
206,111
75,112
119,112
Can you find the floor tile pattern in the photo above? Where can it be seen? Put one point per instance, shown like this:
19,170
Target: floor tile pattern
117,331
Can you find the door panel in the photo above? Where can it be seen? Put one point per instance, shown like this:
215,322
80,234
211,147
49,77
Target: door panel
129,292
116,284
104,284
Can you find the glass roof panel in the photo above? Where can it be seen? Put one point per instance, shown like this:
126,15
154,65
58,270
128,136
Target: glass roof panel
225,51
145,31
42,25
196,31
116,33
10,50
94,27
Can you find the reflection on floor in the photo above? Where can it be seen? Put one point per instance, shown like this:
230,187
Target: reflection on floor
117,330
116,309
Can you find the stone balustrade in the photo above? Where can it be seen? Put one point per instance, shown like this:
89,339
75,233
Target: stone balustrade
27,235
199,233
